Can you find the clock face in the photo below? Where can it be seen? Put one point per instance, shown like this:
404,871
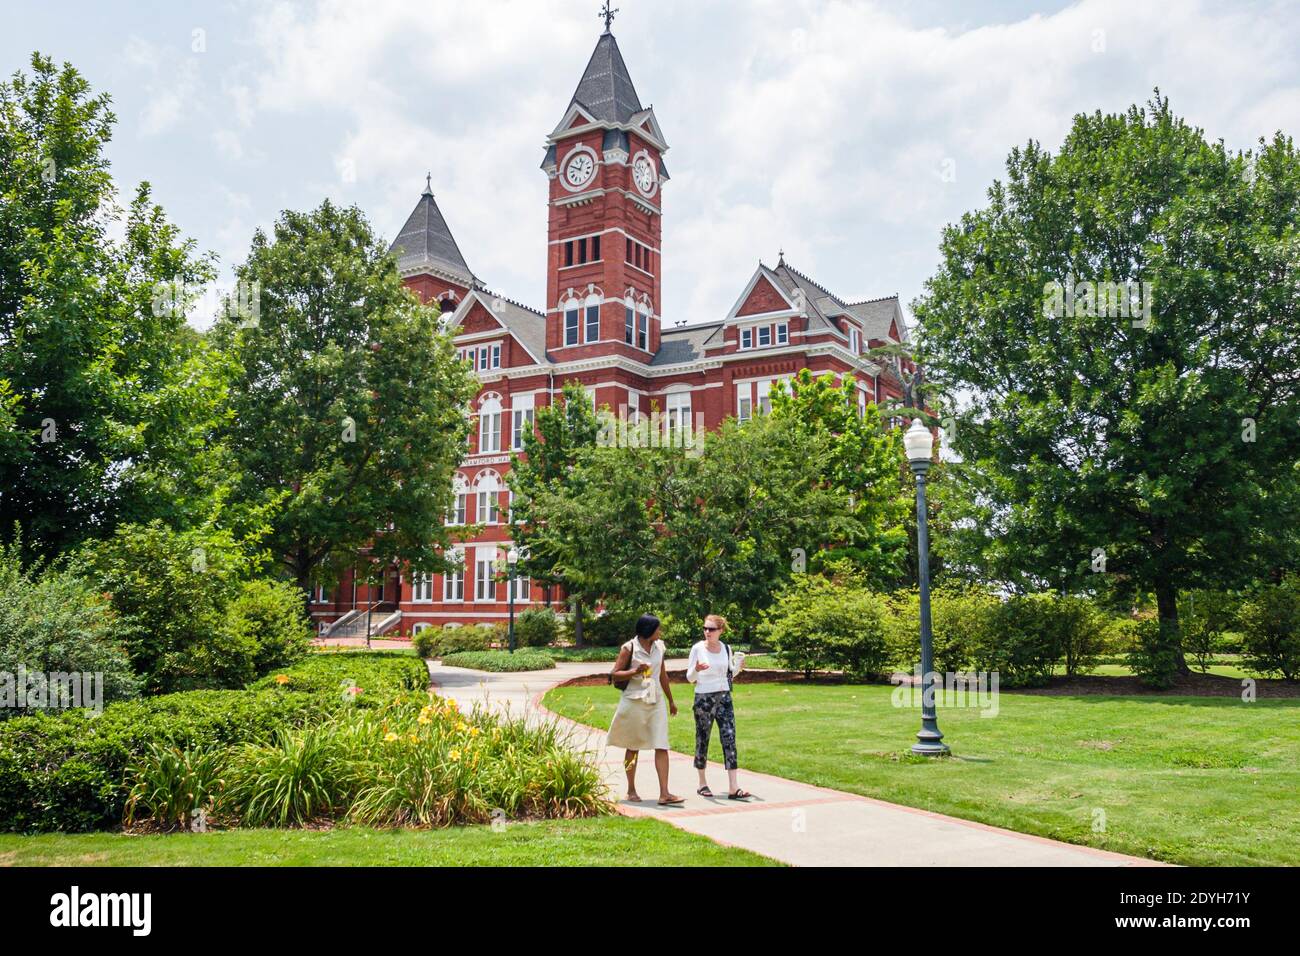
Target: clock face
579,169
644,174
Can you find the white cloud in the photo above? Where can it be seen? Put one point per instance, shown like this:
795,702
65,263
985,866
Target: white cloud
846,132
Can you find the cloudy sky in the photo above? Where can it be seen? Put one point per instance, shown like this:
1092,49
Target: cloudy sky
847,133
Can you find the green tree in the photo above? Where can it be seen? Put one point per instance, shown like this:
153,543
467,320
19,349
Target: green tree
864,461
106,398
1150,429
691,531
348,404
545,466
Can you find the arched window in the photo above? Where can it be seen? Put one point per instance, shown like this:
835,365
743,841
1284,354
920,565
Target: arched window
629,319
489,424
572,309
643,326
591,323
487,485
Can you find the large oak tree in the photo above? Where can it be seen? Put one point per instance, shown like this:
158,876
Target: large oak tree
1159,446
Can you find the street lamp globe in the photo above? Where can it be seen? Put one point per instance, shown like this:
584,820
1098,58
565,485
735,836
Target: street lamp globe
919,442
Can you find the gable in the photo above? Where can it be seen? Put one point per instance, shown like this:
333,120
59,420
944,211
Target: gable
764,297
478,319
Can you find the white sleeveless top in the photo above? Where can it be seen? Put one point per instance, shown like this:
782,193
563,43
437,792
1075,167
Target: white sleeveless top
645,688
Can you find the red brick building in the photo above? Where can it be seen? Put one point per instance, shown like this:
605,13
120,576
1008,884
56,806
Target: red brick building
601,325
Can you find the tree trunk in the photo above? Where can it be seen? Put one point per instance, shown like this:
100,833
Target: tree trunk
577,624
1167,609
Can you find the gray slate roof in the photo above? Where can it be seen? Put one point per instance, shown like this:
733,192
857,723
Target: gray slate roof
525,324
425,239
685,344
876,314
605,90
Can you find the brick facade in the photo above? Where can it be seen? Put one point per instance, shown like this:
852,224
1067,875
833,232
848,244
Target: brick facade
606,181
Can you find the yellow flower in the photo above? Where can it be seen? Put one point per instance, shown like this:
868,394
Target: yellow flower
454,754
462,725
390,736
422,719
473,731
413,738
282,679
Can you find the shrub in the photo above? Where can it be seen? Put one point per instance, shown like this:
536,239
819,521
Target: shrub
173,589
427,764
425,642
612,628
270,614
52,622
817,623
1152,658
537,627
961,619
501,661
374,677
69,771
456,639
1203,618
1270,623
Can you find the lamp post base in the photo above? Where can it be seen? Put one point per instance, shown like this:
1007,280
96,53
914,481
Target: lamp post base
929,743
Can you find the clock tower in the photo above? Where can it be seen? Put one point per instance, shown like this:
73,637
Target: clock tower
605,164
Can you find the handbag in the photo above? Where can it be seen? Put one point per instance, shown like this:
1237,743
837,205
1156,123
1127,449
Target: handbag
619,684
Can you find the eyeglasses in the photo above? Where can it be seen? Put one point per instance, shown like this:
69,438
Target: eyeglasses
713,628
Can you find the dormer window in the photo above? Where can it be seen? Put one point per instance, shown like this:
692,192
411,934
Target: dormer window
782,334
746,338
855,340
764,336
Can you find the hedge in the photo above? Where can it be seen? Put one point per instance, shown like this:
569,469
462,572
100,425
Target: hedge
500,661
66,771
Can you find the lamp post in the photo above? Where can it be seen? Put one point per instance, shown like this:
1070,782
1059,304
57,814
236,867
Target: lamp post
919,444
512,558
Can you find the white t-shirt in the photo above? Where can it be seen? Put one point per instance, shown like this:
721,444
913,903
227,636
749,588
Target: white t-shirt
715,678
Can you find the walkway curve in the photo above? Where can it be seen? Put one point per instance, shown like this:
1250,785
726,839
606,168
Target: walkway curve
796,823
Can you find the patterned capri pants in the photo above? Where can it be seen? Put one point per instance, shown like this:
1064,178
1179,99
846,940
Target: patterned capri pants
708,708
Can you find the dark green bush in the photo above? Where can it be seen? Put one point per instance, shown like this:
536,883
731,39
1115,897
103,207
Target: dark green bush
1204,618
1152,658
611,628
453,640
67,771
817,624
537,627
425,642
55,621
1270,622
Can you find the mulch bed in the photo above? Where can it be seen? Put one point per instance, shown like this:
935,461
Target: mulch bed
1195,685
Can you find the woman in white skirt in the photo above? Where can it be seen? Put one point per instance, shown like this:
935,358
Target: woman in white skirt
641,721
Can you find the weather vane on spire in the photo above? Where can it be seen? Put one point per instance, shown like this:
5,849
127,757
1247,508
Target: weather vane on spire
607,14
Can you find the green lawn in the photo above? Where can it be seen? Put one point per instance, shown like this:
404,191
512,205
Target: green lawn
602,841
1192,780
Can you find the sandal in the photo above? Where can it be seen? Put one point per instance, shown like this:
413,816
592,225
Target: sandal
675,802
740,794
704,791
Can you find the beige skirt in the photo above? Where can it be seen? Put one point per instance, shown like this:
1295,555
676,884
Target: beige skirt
639,726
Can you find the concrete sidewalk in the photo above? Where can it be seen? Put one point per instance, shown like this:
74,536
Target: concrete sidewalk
789,821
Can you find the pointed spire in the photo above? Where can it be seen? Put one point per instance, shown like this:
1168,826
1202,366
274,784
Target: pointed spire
605,90
426,239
